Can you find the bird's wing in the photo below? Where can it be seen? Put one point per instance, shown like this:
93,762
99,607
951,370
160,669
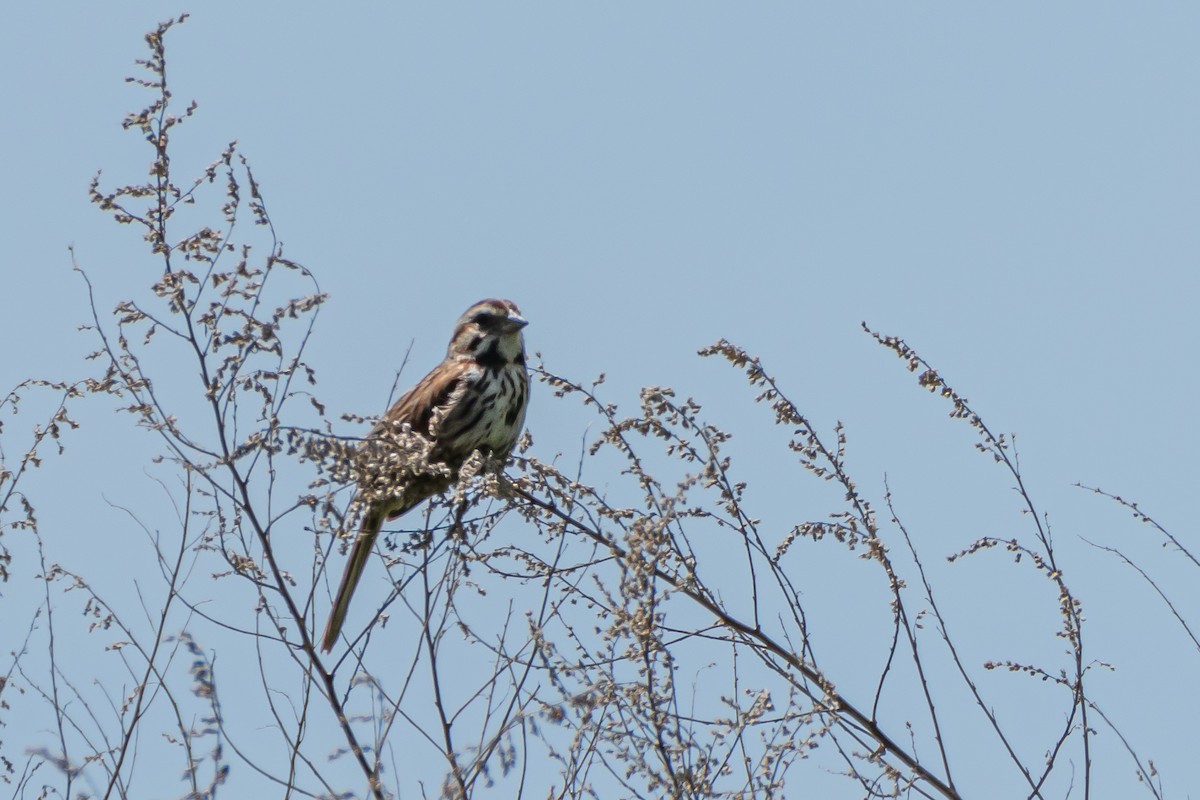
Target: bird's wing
435,391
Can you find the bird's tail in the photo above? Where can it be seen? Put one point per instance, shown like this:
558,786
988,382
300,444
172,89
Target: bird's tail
361,552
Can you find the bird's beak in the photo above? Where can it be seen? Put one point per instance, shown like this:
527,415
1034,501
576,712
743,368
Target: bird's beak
515,322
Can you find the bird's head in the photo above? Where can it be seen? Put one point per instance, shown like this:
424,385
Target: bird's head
490,332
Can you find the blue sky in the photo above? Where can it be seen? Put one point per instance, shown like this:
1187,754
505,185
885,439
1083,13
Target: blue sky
1013,190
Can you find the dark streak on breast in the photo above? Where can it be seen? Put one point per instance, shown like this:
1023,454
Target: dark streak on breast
511,417
490,357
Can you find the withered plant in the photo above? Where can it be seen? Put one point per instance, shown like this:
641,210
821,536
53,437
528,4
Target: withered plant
625,626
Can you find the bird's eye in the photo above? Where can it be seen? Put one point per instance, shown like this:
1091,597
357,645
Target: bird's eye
483,318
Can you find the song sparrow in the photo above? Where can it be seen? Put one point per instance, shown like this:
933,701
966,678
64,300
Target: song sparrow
474,400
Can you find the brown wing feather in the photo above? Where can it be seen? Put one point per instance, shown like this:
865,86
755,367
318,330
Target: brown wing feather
433,391
415,407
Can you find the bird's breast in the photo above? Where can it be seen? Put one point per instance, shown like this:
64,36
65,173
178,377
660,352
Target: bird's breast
489,410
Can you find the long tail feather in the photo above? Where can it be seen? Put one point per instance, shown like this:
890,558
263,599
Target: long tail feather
361,552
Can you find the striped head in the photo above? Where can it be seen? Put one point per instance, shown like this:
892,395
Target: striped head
489,333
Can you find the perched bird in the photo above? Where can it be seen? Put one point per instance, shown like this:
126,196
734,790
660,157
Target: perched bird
474,400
